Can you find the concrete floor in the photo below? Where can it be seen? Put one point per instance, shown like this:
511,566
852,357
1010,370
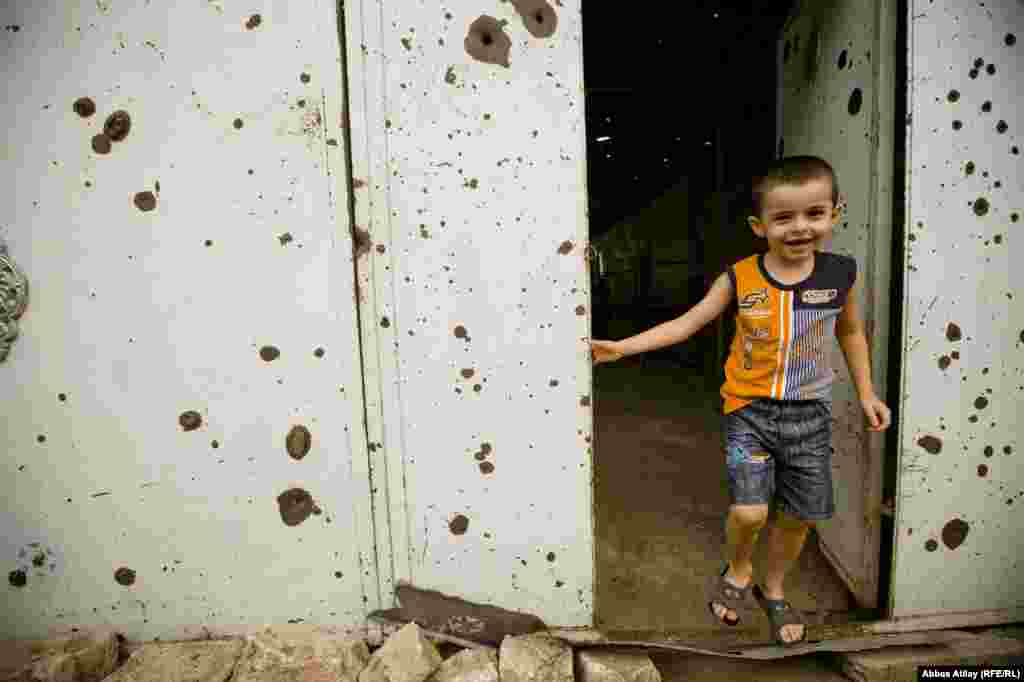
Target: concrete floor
661,501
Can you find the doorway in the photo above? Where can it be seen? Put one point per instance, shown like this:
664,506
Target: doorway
676,124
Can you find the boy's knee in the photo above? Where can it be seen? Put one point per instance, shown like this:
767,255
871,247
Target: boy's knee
749,515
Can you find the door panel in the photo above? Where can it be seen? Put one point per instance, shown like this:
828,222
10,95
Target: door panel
958,548
836,101
470,191
161,275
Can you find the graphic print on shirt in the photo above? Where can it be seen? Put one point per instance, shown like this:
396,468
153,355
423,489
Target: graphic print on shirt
784,334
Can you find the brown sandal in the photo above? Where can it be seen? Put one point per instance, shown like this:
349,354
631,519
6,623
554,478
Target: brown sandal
723,592
780,612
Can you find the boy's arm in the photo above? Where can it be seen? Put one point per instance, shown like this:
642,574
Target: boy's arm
684,326
850,334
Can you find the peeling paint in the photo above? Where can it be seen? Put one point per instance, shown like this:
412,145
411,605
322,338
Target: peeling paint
361,241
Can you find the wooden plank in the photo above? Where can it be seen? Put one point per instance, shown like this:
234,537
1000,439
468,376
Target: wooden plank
899,664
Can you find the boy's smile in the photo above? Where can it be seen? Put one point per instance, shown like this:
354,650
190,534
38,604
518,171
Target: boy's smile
796,219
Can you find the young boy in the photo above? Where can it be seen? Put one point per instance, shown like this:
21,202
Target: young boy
792,301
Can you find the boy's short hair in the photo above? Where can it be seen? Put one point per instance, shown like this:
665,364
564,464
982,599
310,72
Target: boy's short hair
792,170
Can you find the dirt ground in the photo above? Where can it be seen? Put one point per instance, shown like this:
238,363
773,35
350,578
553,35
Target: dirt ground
661,500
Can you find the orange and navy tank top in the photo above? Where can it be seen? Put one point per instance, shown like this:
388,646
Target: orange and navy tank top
784,333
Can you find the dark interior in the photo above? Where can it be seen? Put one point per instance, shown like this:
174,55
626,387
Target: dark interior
680,111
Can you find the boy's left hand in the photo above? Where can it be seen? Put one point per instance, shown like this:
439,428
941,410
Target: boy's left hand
877,413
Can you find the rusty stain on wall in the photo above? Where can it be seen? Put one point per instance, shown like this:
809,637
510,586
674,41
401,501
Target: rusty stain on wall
954,533
298,442
117,125
538,16
84,107
295,506
190,420
361,241
459,524
101,144
144,201
124,576
487,42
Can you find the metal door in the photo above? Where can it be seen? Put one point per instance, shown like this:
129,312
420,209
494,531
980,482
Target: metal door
959,551
191,306
470,202
836,101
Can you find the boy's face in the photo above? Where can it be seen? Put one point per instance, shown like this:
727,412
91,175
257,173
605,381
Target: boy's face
796,219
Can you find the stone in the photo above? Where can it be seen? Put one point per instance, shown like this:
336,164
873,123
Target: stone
611,666
469,665
310,657
535,658
88,657
406,656
202,661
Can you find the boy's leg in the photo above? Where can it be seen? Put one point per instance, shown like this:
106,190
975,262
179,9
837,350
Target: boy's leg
785,541
751,473
742,527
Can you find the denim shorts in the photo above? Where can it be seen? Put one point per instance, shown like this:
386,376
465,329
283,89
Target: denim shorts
781,449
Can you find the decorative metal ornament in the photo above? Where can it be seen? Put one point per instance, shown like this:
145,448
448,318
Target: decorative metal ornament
13,300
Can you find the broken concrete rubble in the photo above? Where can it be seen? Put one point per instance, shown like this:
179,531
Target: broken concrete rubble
407,656
271,657
470,665
393,650
535,658
81,658
202,661
610,666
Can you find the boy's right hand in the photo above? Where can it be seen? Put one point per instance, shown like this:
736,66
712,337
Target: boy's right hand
605,351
